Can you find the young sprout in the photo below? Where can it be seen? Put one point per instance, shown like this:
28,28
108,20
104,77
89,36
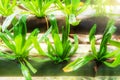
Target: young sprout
72,8
38,7
62,48
100,56
20,45
7,7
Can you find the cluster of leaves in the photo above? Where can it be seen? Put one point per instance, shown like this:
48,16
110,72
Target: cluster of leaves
100,56
115,54
41,8
20,45
7,7
38,7
72,8
62,49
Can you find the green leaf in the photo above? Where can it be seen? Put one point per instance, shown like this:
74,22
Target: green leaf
22,20
112,54
37,46
27,47
58,44
84,7
45,34
47,5
20,27
65,32
93,40
7,41
8,21
25,72
60,5
110,29
1,4
75,5
7,56
78,63
50,48
66,49
18,43
55,36
115,63
9,34
93,47
67,2
92,32
28,42
31,6
54,25
40,4
114,43
75,46
103,45
30,66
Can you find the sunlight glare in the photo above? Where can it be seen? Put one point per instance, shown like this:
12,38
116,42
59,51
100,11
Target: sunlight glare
118,1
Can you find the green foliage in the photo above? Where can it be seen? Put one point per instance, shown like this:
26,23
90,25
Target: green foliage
115,54
62,49
72,8
99,56
101,7
20,45
7,7
38,7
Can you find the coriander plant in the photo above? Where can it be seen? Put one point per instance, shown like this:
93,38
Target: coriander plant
100,56
72,8
62,48
20,45
7,7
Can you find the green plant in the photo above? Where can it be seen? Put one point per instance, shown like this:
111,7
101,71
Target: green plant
100,7
38,7
72,8
100,56
62,49
115,53
20,45
7,7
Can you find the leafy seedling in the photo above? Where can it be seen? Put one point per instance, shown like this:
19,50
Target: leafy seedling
100,56
7,7
38,7
61,49
20,45
72,8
